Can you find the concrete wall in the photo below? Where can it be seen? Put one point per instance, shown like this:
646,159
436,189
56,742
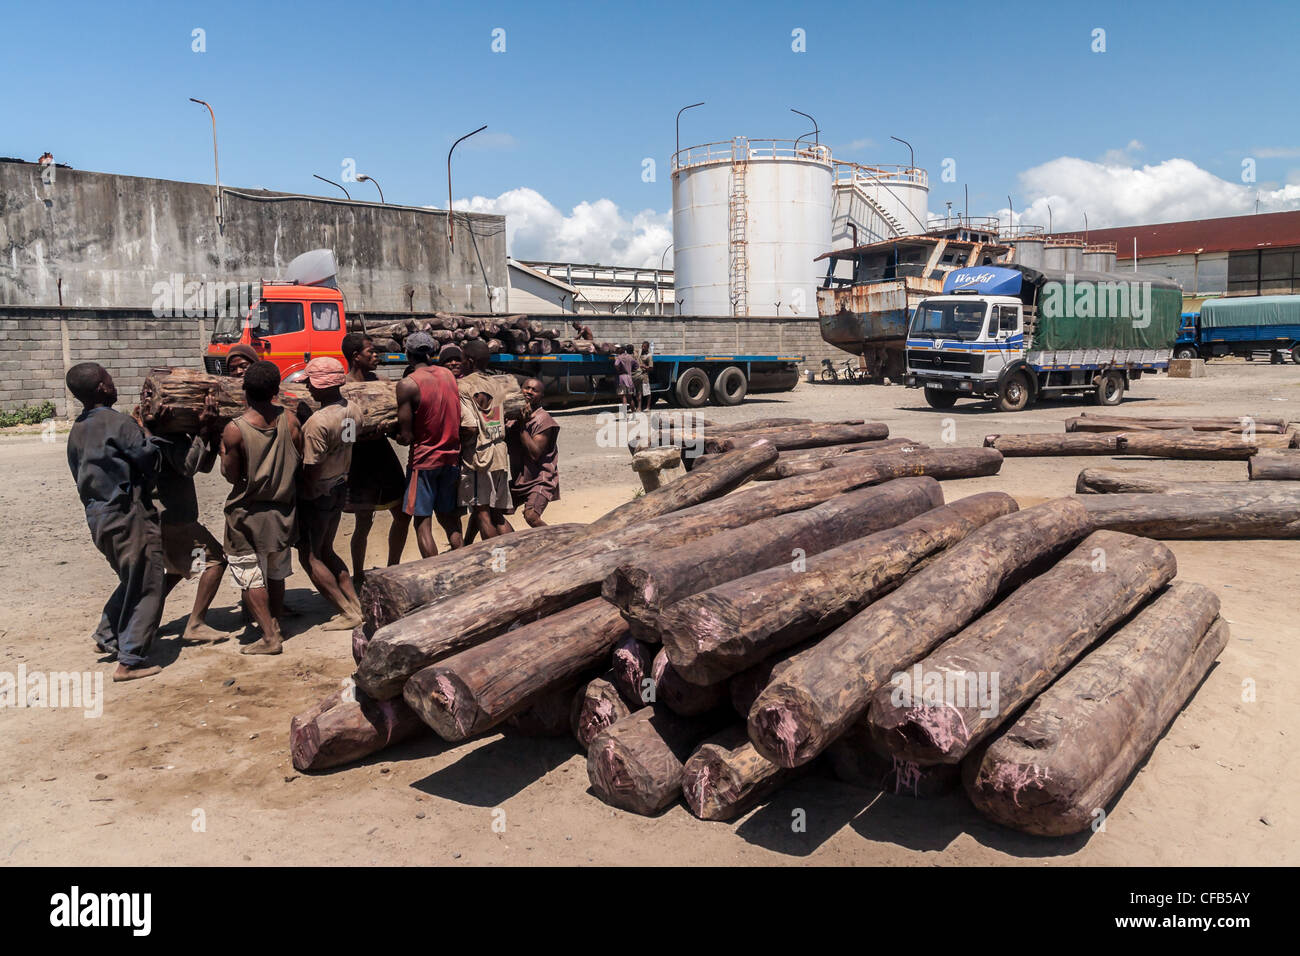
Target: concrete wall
1206,274
722,335
112,238
533,295
38,346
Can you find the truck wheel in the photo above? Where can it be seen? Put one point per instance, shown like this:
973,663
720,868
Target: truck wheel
1295,354
1185,352
692,388
1015,394
1110,390
730,386
937,399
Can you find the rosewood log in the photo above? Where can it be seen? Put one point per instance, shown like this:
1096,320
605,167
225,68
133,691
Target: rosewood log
798,436
630,671
726,776
547,715
822,691
1107,481
1228,421
1272,514
392,593
636,763
856,760
469,693
941,464
1079,742
745,687
735,625
1152,444
679,696
948,702
709,479
642,590
1117,424
1275,466
571,575
595,707
348,726
805,461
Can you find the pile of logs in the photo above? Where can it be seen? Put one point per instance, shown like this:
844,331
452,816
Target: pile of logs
709,642
1199,438
511,334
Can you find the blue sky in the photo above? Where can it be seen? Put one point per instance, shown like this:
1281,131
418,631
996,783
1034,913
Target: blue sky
585,91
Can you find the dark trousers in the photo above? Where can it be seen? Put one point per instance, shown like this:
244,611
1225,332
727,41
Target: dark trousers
132,542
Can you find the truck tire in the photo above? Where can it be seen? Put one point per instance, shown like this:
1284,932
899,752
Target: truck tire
937,399
1295,354
730,386
1110,390
1015,393
1186,352
692,388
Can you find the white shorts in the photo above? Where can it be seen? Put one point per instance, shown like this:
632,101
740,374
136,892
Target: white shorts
254,570
485,489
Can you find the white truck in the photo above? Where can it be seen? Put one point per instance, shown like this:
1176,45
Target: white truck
1014,333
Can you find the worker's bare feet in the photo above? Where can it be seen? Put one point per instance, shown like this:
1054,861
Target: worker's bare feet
343,621
263,647
124,673
202,634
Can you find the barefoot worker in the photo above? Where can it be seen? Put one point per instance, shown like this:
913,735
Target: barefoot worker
327,440
188,547
114,465
260,452
534,457
428,421
484,459
375,479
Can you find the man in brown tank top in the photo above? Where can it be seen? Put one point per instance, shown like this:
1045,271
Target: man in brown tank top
260,453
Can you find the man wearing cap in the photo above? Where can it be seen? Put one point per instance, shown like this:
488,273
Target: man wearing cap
327,440
239,358
428,421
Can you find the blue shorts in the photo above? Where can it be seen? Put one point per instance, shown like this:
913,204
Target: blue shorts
431,491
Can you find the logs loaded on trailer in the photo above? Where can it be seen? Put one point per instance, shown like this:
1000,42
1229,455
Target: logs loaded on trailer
1064,760
503,333
819,693
642,589
734,626
1277,465
1207,446
1245,514
946,703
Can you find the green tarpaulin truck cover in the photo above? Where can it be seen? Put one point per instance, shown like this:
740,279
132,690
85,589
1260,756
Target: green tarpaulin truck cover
1102,310
1251,310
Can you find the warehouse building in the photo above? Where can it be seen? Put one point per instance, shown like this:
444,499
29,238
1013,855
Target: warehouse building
1233,255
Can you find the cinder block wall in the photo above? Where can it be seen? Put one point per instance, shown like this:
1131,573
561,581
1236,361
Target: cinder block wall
37,347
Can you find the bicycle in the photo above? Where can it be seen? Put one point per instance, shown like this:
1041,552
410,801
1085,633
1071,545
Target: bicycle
849,371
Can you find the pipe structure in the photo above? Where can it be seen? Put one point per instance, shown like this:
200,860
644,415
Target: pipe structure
679,124
333,183
371,179
451,215
216,165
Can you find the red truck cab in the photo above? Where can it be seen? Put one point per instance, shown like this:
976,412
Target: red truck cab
288,323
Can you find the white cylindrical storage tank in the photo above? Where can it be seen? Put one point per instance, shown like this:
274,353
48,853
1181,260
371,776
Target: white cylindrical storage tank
1099,259
1029,251
1072,257
1053,256
749,218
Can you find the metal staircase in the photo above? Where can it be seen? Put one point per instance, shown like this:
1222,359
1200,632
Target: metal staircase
738,221
887,217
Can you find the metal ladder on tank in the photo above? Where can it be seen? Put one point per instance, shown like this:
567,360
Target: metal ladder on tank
737,229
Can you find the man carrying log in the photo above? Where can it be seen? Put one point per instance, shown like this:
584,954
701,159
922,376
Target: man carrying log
188,547
260,453
645,363
626,365
534,457
582,333
375,478
327,440
428,419
113,464
484,459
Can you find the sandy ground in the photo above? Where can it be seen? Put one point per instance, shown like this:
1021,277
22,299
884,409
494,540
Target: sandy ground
193,766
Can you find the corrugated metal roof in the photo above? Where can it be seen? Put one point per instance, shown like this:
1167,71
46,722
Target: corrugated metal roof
1227,234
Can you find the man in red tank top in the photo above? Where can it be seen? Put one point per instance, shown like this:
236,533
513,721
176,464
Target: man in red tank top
428,419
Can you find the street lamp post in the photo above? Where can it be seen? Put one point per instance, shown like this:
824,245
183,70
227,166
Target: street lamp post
370,179
216,166
333,183
451,215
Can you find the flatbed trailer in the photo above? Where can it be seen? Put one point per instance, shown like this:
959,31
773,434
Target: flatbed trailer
687,381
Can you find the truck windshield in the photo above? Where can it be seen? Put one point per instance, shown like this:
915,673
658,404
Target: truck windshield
948,320
228,328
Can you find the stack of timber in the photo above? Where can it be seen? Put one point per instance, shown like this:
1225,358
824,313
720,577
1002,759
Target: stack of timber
1090,422
709,642
511,334
1151,443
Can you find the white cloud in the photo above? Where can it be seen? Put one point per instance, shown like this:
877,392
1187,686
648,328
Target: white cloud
1277,152
855,146
592,232
1121,194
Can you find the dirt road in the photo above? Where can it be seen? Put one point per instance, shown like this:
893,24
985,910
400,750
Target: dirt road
193,766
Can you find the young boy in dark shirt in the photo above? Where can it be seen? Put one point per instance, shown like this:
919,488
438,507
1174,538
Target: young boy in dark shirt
114,465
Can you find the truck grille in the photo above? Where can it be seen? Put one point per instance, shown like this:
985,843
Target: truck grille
946,361
213,366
